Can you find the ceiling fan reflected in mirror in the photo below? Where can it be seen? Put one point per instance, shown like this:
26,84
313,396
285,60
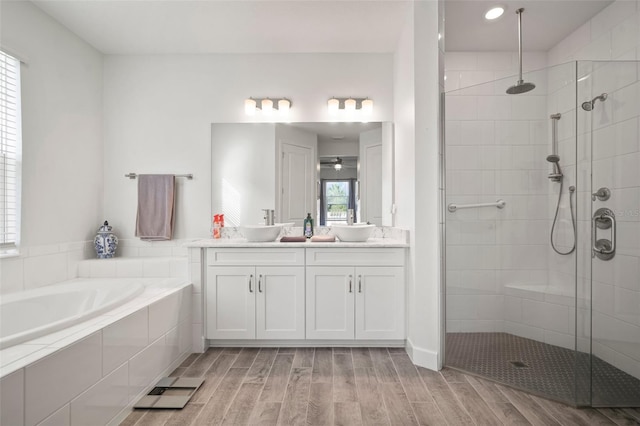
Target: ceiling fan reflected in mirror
336,163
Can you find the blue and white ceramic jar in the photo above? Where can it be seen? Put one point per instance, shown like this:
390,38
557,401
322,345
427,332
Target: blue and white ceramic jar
105,242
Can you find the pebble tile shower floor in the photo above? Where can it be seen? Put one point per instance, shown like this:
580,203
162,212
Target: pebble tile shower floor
541,368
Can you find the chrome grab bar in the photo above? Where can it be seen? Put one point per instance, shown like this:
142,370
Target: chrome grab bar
453,207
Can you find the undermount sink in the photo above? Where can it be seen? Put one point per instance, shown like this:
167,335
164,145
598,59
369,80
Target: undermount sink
358,232
261,233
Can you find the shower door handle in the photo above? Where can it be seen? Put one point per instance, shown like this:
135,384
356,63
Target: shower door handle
604,219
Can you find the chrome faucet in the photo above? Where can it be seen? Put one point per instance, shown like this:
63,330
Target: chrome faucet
269,216
350,216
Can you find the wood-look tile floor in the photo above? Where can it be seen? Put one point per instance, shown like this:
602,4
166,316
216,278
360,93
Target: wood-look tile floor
353,386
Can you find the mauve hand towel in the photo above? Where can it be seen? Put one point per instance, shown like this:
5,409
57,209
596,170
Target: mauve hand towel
293,239
156,196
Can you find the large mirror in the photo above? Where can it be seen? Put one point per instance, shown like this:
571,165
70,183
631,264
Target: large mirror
299,168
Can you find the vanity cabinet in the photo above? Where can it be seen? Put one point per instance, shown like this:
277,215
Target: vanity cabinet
255,294
361,302
305,293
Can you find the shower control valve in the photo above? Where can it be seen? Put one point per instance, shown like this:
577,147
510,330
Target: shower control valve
602,194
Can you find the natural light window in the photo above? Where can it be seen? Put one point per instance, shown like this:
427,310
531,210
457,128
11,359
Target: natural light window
10,152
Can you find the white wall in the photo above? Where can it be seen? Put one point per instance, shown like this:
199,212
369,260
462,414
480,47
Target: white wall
343,148
62,146
611,34
158,112
418,72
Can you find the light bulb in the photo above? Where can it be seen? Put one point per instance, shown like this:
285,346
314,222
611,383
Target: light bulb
249,106
333,105
267,106
350,105
283,106
367,106
494,13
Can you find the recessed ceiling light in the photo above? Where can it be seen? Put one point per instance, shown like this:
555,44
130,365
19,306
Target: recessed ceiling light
494,13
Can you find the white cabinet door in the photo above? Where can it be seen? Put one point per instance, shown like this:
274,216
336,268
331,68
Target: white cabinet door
280,302
330,304
379,302
231,303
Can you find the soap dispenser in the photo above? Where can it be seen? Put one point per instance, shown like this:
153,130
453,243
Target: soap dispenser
308,226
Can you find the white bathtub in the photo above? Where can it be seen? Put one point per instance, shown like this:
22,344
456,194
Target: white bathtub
34,313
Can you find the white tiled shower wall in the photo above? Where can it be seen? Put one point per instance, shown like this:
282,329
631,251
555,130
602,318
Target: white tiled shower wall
612,34
496,149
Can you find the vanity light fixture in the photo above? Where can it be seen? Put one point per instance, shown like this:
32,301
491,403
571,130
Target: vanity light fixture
494,13
350,105
267,106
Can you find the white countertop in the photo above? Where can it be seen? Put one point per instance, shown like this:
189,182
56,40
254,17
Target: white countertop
243,243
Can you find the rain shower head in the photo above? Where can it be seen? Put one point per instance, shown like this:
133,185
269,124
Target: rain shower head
520,86
588,105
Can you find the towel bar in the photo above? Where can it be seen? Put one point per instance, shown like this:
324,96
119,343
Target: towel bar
134,175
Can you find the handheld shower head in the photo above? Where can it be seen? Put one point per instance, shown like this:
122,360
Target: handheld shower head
556,175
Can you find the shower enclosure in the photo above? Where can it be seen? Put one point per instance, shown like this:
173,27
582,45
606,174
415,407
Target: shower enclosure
542,233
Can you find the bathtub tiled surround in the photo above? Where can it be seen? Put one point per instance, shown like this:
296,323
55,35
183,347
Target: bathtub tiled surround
42,265
120,353
37,266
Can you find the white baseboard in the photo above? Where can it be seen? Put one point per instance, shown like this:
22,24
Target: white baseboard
422,357
252,343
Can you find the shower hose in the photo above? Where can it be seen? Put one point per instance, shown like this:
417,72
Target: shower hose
572,189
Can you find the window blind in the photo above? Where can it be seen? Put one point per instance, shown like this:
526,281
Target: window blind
9,149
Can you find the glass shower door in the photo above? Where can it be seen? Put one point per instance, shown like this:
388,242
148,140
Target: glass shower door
609,102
